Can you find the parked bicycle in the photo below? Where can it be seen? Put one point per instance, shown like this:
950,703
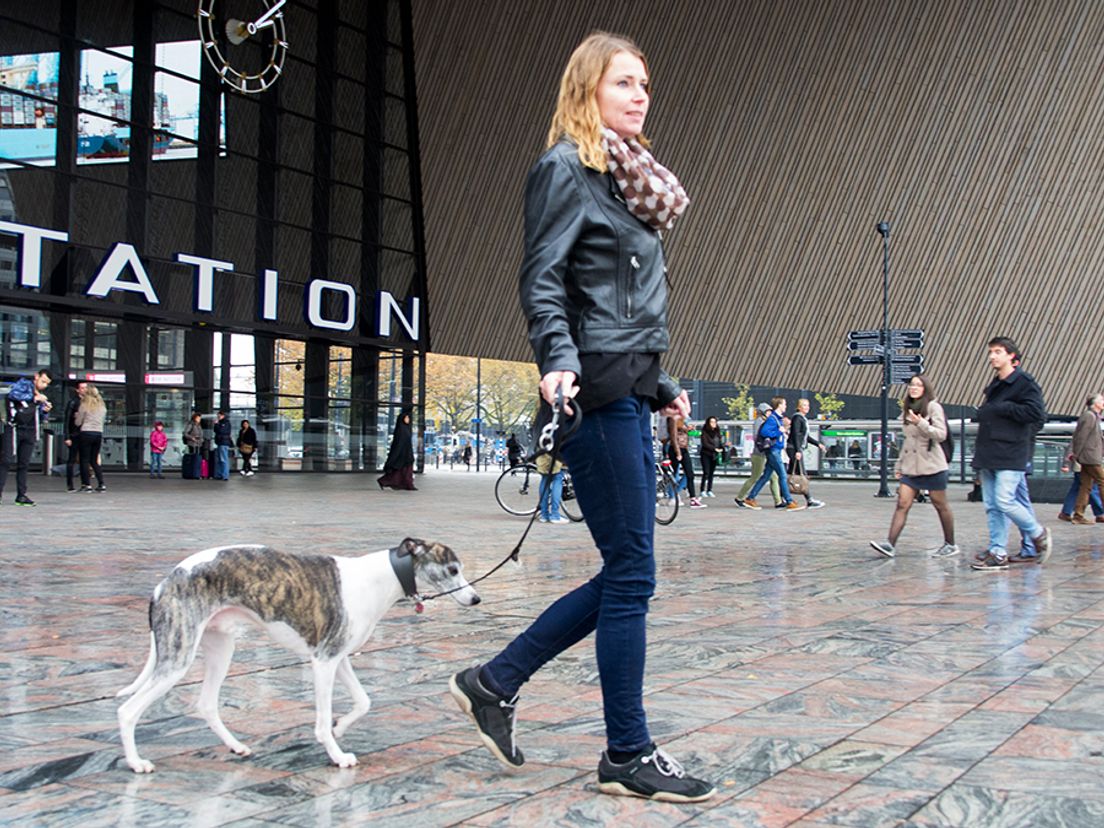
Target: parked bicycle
518,492
667,493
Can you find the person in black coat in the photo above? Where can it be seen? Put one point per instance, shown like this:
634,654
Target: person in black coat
247,445
1008,420
398,469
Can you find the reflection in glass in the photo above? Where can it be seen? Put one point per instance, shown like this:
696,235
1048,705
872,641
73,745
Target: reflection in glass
28,121
106,81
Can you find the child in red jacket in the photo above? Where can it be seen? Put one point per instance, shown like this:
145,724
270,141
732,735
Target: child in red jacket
159,441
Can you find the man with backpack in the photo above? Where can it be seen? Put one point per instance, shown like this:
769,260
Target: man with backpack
25,409
771,440
758,463
1008,419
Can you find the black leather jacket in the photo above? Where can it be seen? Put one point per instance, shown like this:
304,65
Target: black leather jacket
593,278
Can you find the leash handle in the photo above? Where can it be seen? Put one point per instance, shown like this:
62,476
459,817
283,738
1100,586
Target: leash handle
547,444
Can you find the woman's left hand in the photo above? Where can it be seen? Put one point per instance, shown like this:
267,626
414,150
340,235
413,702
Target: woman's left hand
678,407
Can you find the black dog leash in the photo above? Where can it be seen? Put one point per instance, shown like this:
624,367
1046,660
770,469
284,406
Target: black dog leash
546,444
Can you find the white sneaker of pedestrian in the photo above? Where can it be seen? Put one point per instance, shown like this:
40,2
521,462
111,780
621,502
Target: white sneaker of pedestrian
947,550
885,547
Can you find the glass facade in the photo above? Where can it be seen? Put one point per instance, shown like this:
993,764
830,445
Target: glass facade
187,246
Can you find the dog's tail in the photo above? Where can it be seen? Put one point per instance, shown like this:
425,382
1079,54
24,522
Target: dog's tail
146,671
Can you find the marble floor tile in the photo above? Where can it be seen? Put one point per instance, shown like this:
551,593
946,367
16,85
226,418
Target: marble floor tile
815,685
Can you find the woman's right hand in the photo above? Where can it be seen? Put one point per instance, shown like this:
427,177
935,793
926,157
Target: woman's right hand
557,379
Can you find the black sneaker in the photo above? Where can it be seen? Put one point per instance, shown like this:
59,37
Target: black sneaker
23,500
990,564
101,488
652,775
493,715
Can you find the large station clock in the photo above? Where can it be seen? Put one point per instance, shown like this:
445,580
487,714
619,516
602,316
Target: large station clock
245,40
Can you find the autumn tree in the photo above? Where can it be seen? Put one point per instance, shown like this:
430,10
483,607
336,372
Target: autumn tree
450,389
509,394
829,406
740,405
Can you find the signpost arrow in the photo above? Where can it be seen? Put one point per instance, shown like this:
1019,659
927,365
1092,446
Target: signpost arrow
907,359
867,334
906,338
864,345
864,359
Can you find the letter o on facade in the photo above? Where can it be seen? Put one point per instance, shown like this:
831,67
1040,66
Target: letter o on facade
314,305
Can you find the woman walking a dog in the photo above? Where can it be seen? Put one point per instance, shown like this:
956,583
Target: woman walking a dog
593,290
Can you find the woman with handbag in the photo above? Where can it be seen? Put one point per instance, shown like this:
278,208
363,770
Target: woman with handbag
921,465
90,417
247,445
678,452
193,439
594,292
711,447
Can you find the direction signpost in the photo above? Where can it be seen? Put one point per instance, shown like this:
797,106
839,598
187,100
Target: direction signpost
883,345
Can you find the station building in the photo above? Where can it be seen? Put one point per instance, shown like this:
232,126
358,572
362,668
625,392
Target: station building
198,217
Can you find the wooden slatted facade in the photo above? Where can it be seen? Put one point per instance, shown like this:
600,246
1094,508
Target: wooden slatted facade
975,128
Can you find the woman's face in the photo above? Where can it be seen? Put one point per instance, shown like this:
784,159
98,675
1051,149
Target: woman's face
711,422
622,95
916,388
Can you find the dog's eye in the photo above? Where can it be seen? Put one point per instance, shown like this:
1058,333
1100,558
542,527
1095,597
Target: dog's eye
454,570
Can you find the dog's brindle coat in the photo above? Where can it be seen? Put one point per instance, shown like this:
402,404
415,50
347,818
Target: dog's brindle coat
321,607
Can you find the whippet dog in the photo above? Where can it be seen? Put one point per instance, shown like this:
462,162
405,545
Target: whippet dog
319,606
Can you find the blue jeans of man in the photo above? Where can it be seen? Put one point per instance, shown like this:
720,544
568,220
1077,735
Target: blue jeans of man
155,462
999,492
774,466
222,463
551,493
613,472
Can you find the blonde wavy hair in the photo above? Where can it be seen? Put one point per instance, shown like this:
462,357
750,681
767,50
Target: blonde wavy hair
576,115
92,401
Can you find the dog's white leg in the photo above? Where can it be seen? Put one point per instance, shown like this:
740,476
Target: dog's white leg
218,650
132,709
143,677
324,672
361,703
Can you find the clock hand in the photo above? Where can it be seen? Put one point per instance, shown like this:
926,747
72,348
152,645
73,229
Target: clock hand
264,19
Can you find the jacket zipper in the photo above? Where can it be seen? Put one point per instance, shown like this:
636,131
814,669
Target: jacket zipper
632,283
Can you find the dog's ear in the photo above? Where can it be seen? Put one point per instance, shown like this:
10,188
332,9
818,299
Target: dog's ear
413,547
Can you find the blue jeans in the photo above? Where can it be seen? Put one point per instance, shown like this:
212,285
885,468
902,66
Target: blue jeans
222,463
613,472
155,462
999,492
551,491
774,466
1070,502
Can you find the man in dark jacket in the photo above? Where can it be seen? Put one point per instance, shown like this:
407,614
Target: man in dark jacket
1008,420
798,443
25,408
1087,448
223,442
72,434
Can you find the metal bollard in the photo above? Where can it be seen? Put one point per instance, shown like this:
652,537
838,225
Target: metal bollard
48,443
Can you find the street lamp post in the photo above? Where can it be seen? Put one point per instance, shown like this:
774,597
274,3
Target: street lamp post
478,409
887,359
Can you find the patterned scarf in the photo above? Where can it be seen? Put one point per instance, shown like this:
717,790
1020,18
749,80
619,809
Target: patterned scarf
651,191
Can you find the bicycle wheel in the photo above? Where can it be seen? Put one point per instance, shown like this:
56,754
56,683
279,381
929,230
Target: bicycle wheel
568,504
667,499
518,489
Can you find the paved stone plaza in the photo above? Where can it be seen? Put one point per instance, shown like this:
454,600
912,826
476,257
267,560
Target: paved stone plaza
817,682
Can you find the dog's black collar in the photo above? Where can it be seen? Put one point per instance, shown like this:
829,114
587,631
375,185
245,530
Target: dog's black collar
403,564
